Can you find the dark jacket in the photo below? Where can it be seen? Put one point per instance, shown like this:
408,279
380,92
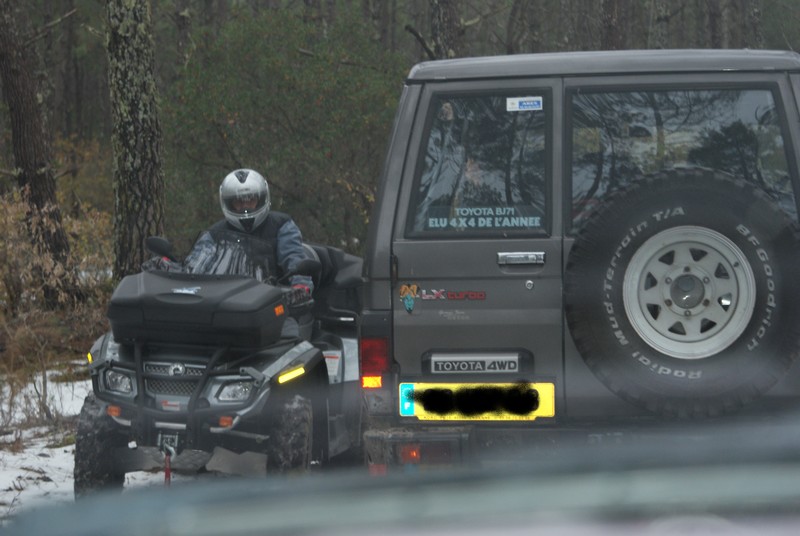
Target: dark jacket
278,245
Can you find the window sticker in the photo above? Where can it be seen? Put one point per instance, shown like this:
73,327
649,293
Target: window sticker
462,218
524,104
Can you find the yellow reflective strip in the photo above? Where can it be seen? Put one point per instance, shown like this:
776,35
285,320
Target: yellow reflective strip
89,357
292,374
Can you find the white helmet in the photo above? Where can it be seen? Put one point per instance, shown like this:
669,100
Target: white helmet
244,198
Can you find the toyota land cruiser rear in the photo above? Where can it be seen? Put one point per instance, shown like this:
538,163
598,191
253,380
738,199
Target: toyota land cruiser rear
563,240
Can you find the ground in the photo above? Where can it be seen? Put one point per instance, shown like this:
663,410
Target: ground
36,462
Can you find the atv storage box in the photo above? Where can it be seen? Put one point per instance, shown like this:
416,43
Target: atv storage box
196,309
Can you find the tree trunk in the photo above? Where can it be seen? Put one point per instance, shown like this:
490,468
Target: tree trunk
136,136
612,36
659,27
33,159
716,23
725,26
183,29
70,86
755,36
445,29
532,39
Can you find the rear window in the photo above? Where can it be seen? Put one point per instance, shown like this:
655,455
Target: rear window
482,169
622,136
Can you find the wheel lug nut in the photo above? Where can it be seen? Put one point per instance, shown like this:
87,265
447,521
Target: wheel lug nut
687,313
687,269
668,303
706,280
668,281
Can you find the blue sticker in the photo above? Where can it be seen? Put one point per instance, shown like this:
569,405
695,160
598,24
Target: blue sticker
406,399
408,302
523,104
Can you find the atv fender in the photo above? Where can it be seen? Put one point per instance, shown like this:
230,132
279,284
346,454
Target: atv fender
304,355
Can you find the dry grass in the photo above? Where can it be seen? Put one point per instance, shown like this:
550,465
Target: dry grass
35,341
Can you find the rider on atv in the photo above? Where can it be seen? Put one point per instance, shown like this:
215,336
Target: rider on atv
271,239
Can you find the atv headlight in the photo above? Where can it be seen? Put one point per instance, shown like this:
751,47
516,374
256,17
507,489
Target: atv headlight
119,382
238,391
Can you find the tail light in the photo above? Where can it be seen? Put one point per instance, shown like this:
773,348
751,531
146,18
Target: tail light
410,453
374,357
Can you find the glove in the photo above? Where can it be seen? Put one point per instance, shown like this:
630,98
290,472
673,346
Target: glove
161,264
299,295
304,288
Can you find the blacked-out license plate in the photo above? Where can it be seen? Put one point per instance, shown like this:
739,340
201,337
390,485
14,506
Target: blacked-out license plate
477,401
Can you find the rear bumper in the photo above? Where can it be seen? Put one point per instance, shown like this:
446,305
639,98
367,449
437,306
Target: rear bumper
408,448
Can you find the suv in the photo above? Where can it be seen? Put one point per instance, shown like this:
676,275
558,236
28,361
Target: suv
574,238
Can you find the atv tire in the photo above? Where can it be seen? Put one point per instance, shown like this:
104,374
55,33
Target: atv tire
94,444
291,436
680,293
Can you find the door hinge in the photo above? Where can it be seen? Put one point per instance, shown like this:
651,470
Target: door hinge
393,268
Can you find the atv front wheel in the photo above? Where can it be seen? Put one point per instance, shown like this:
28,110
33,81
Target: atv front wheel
94,444
291,436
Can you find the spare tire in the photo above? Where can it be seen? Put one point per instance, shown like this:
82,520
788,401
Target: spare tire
680,293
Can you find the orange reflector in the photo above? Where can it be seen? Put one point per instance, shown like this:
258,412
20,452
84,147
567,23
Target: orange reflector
114,411
89,357
226,421
279,310
410,453
372,382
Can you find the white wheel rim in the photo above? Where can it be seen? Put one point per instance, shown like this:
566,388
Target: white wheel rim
689,292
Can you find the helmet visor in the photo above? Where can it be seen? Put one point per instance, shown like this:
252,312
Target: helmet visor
246,203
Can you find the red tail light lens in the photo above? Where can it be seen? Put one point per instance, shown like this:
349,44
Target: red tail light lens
374,361
410,453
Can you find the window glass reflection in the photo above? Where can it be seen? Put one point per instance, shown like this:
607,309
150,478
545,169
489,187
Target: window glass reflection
622,137
483,166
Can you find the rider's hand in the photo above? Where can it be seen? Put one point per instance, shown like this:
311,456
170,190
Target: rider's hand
299,295
304,288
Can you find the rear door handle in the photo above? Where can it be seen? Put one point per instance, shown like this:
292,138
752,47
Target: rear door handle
520,257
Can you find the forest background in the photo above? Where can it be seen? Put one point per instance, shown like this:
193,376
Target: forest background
303,91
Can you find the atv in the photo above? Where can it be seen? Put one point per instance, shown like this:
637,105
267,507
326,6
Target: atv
198,373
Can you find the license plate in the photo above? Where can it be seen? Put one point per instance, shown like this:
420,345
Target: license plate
168,440
477,401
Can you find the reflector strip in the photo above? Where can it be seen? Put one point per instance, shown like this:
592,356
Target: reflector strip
292,374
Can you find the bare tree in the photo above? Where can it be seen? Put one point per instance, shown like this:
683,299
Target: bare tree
33,158
382,14
183,25
659,26
136,138
752,19
612,36
718,23
446,29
